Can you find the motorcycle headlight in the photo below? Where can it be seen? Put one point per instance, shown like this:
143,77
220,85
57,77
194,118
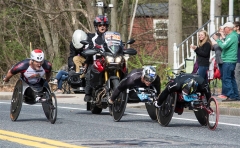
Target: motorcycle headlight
118,59
110,59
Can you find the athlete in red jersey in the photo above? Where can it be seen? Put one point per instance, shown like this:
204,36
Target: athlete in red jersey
33,69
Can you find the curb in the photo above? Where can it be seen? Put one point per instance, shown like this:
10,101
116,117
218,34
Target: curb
231,111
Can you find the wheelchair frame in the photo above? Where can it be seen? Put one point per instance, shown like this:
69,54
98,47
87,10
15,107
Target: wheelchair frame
23,92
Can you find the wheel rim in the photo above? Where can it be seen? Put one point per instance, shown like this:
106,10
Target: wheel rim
213,114
119,106
16,102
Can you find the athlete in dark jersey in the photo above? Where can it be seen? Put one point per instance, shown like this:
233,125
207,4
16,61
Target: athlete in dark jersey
187,84
32,70
138,78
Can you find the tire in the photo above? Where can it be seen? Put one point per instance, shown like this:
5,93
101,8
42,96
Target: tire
16,101
50,106
201,116
151,109
213,115
119,106
165,112
95,109
115,83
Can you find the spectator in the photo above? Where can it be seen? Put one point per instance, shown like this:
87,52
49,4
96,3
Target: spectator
218,52
237,69
229,56
61,76
203,53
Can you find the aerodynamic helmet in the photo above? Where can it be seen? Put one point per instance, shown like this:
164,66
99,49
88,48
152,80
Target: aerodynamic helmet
78,36
149,73
189,86
37,55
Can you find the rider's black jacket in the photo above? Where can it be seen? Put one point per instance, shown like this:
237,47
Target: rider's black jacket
176,86
133,79
74,52
93,40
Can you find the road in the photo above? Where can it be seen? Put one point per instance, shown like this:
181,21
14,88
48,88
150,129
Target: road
76,127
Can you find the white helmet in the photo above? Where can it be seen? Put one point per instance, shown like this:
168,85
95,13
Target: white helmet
78,36
149,73
37,55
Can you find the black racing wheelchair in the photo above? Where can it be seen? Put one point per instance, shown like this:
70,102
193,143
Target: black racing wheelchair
28,93
134,95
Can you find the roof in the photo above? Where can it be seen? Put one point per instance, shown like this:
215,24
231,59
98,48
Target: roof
152,9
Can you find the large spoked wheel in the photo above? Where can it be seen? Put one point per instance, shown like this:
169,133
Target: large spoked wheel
119,106
50,107
201,116
165,113
16,102
213,114
151,109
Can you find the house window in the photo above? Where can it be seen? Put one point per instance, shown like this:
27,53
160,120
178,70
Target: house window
160,27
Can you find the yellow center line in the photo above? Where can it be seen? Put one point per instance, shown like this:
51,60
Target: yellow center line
34,141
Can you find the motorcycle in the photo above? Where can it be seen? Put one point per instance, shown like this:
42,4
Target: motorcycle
76,83
108,68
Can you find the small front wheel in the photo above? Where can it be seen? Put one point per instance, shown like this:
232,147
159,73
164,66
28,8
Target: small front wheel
213,114
50,106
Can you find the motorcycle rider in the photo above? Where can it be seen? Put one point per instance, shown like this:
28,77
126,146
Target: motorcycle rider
188,84
95,40
140,78
76,59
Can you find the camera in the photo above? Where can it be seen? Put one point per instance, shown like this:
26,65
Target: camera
218,34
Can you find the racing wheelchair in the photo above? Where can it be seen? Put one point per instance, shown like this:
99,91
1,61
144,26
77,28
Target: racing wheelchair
206,112
28,93
135,95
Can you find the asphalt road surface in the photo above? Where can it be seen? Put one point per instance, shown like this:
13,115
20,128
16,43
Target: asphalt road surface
76,127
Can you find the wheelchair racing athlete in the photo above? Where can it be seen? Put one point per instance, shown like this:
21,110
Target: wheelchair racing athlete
32,70
188,84
138,78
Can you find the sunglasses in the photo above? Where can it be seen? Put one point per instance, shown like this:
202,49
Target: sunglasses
100,25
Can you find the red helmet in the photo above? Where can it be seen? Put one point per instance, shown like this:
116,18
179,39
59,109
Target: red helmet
101,19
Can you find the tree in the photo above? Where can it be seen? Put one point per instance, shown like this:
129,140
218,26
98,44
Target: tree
174,31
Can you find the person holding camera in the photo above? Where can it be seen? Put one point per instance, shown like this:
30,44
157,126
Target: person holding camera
76,59
229,56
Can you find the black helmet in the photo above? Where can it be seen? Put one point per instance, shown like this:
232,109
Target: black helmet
101,19
189,86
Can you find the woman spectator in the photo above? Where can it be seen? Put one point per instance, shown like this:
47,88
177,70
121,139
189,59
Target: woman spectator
203,53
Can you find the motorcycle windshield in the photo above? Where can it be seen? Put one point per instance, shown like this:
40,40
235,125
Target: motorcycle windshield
113,41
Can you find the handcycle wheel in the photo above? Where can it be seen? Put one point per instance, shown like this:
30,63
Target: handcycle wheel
165,112
16,102
119,106
151,109
213,115
201,116
50,107
115,83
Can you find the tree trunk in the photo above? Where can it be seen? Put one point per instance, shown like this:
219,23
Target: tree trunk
114,15
199,12
218,7
124,23
174,31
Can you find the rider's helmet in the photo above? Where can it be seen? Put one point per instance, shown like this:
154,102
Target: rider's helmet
101,19
37,55
149,73
189,86
78,36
